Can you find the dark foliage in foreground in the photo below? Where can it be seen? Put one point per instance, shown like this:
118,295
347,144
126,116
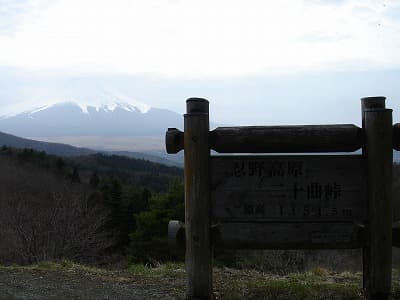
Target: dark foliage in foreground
53,208
149,241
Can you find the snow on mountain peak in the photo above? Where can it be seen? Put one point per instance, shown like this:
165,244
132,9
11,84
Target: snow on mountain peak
143,108
108,102
86,99
40,109
111,106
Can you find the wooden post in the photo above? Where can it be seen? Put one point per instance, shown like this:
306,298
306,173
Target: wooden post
379,158
396,136
368,103
197,200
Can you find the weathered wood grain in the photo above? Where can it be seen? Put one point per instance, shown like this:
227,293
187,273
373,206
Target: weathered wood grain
174,140
286,139
379,155
277,139
396,136
198,261
368,103
396,236
374,102
289,235
288,188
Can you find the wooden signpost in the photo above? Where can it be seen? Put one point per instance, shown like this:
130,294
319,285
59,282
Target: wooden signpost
288,201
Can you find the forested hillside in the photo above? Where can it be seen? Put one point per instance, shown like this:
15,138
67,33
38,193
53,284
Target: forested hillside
138,171
83,208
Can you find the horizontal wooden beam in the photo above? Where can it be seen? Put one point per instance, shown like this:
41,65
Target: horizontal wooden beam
289,235
276,139
396,136
278,235
287,139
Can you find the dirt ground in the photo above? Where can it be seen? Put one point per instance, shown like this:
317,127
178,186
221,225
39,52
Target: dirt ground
47,284
73,281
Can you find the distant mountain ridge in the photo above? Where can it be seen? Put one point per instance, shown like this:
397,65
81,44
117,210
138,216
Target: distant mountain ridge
77,119
68,150
50,148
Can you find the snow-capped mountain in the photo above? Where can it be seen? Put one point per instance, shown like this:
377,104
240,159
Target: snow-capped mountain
105,107
114,117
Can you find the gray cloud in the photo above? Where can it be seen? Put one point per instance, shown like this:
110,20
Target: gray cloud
326,2
321,37
393,13
10,14
14,12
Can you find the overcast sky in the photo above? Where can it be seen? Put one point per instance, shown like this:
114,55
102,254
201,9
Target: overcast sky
247,56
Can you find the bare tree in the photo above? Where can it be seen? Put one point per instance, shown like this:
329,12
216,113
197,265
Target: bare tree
43,217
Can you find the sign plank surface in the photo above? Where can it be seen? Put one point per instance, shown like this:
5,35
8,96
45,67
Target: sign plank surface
289,235
323,188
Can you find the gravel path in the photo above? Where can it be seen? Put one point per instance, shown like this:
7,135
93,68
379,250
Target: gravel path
48,284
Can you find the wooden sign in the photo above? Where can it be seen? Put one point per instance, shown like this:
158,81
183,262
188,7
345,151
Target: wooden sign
288,202
327,188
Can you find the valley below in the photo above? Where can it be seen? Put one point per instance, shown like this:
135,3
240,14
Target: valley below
110,143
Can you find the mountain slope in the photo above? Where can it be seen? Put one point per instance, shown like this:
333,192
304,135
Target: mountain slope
77,119
50,148
68,150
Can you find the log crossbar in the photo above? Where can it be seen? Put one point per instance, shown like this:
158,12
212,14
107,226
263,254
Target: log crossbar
273,139
287,139
282,139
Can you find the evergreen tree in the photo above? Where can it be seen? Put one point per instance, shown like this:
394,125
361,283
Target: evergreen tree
60,163
75,178
94,180
149,242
